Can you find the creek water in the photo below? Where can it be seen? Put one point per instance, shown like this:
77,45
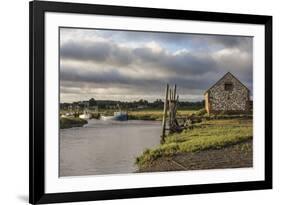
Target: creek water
105,147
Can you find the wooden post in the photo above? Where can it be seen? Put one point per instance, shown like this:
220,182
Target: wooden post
175,91
170,109
176,106
165,114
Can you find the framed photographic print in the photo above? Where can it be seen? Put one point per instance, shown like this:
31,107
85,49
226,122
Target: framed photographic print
141,102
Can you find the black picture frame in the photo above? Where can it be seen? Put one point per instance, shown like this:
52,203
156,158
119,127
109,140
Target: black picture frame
37,9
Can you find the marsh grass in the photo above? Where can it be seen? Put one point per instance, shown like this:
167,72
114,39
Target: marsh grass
213,134
155,114
68,122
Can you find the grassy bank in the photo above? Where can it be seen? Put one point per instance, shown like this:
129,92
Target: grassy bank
155,114
212,134
233,156
68,122
145,115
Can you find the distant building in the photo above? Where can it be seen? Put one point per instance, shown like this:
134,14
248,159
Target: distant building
227,95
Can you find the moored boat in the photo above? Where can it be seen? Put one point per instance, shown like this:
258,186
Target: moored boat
68,114
118,116
86,115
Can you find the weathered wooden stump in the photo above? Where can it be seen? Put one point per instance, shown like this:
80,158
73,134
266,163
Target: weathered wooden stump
170,110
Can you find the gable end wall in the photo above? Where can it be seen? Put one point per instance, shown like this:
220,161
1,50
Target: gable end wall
235,101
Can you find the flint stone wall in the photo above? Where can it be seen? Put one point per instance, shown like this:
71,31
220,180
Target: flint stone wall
219,99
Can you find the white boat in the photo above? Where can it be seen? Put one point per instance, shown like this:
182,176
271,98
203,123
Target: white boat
119,116
67,115
86,115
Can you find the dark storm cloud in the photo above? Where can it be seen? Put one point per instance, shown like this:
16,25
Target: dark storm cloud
74,75
142,62
185,63
112,77
190,64
162,61
242,42
82,51
227,41
95,51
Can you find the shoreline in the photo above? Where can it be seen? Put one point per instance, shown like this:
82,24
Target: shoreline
233,156
207,138
69,122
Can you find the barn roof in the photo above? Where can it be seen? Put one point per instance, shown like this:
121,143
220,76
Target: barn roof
228,73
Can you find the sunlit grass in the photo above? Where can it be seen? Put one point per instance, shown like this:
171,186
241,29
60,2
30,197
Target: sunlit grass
155,114
213,134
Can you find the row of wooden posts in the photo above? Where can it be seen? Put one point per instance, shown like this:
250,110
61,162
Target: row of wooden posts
170,111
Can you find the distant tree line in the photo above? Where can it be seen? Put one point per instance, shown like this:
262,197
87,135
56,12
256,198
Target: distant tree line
140,104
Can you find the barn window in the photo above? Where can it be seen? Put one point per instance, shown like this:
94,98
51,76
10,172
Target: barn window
228,86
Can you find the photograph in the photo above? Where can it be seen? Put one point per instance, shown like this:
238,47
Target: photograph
133,101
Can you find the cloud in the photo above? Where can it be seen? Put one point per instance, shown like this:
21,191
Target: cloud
95,51
154,57
195,40
117,63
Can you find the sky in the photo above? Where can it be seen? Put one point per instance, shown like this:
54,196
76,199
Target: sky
134,65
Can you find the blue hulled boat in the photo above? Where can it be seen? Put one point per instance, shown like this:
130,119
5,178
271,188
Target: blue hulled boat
119,116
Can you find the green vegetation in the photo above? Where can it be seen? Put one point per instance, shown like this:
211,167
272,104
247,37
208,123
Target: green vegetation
201,112
150,114
132,105
95,115
145,115
212,134
68,122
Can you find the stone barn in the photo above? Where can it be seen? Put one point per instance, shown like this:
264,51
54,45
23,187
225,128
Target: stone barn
227,95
